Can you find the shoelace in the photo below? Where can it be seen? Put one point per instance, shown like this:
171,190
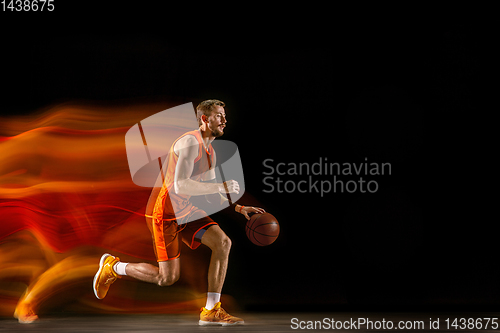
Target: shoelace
220,313
109,280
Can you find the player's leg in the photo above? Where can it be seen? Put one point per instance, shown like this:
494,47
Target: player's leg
166,244
220,244
166,274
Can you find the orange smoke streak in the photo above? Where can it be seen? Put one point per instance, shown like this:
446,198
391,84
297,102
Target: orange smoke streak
66,197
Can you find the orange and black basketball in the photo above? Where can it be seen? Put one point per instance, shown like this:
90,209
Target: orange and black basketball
262,229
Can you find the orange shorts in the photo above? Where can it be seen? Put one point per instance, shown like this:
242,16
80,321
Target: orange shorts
168,234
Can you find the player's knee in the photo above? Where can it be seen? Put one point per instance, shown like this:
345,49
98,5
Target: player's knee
224,244
165,281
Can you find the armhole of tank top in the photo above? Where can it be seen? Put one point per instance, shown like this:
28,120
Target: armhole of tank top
199,145
213,158
197,135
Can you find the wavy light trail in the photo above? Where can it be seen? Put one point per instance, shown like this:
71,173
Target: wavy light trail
66,197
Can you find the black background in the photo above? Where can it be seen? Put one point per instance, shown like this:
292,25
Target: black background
320,83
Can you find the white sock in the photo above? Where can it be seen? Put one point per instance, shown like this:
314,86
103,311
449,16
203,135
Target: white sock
212,299
119,268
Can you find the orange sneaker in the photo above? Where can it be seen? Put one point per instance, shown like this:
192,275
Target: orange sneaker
105,275
25,313
218,316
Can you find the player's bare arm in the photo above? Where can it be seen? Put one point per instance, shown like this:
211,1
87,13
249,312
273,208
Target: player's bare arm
187,150
245,210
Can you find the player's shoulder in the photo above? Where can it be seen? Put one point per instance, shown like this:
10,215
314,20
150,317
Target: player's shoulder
186,143
187,140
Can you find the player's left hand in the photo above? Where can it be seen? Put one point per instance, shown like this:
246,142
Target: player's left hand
245,210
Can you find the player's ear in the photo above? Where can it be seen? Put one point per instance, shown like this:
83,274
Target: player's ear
204,118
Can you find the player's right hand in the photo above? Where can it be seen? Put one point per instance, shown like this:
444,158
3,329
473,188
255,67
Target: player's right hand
231,186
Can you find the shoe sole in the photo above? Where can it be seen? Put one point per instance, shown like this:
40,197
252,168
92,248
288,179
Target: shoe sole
214,323
25,320
96,277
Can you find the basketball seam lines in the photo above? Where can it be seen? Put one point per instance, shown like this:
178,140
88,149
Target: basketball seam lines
255,231
258,241
254,222
264,234
250,228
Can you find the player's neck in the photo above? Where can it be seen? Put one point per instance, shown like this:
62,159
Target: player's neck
206,136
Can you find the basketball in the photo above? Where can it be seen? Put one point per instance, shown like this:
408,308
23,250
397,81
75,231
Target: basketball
262,229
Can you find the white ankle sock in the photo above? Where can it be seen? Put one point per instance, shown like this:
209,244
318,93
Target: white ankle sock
119,268
212,299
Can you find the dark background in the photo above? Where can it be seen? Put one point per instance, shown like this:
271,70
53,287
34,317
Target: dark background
298,88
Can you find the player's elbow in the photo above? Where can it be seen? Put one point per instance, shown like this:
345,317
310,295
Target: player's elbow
180,186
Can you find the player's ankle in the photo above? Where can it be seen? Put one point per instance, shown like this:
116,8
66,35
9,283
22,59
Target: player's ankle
212,299
119,268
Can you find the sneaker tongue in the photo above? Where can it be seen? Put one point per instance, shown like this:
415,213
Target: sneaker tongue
216,306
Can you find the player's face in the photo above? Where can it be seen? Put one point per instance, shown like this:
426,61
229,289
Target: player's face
217,121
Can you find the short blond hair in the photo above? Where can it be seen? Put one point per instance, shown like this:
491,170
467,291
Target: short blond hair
206,108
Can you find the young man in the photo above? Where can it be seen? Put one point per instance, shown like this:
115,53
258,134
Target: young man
190,172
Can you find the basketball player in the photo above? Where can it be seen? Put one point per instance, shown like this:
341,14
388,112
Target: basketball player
190,172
